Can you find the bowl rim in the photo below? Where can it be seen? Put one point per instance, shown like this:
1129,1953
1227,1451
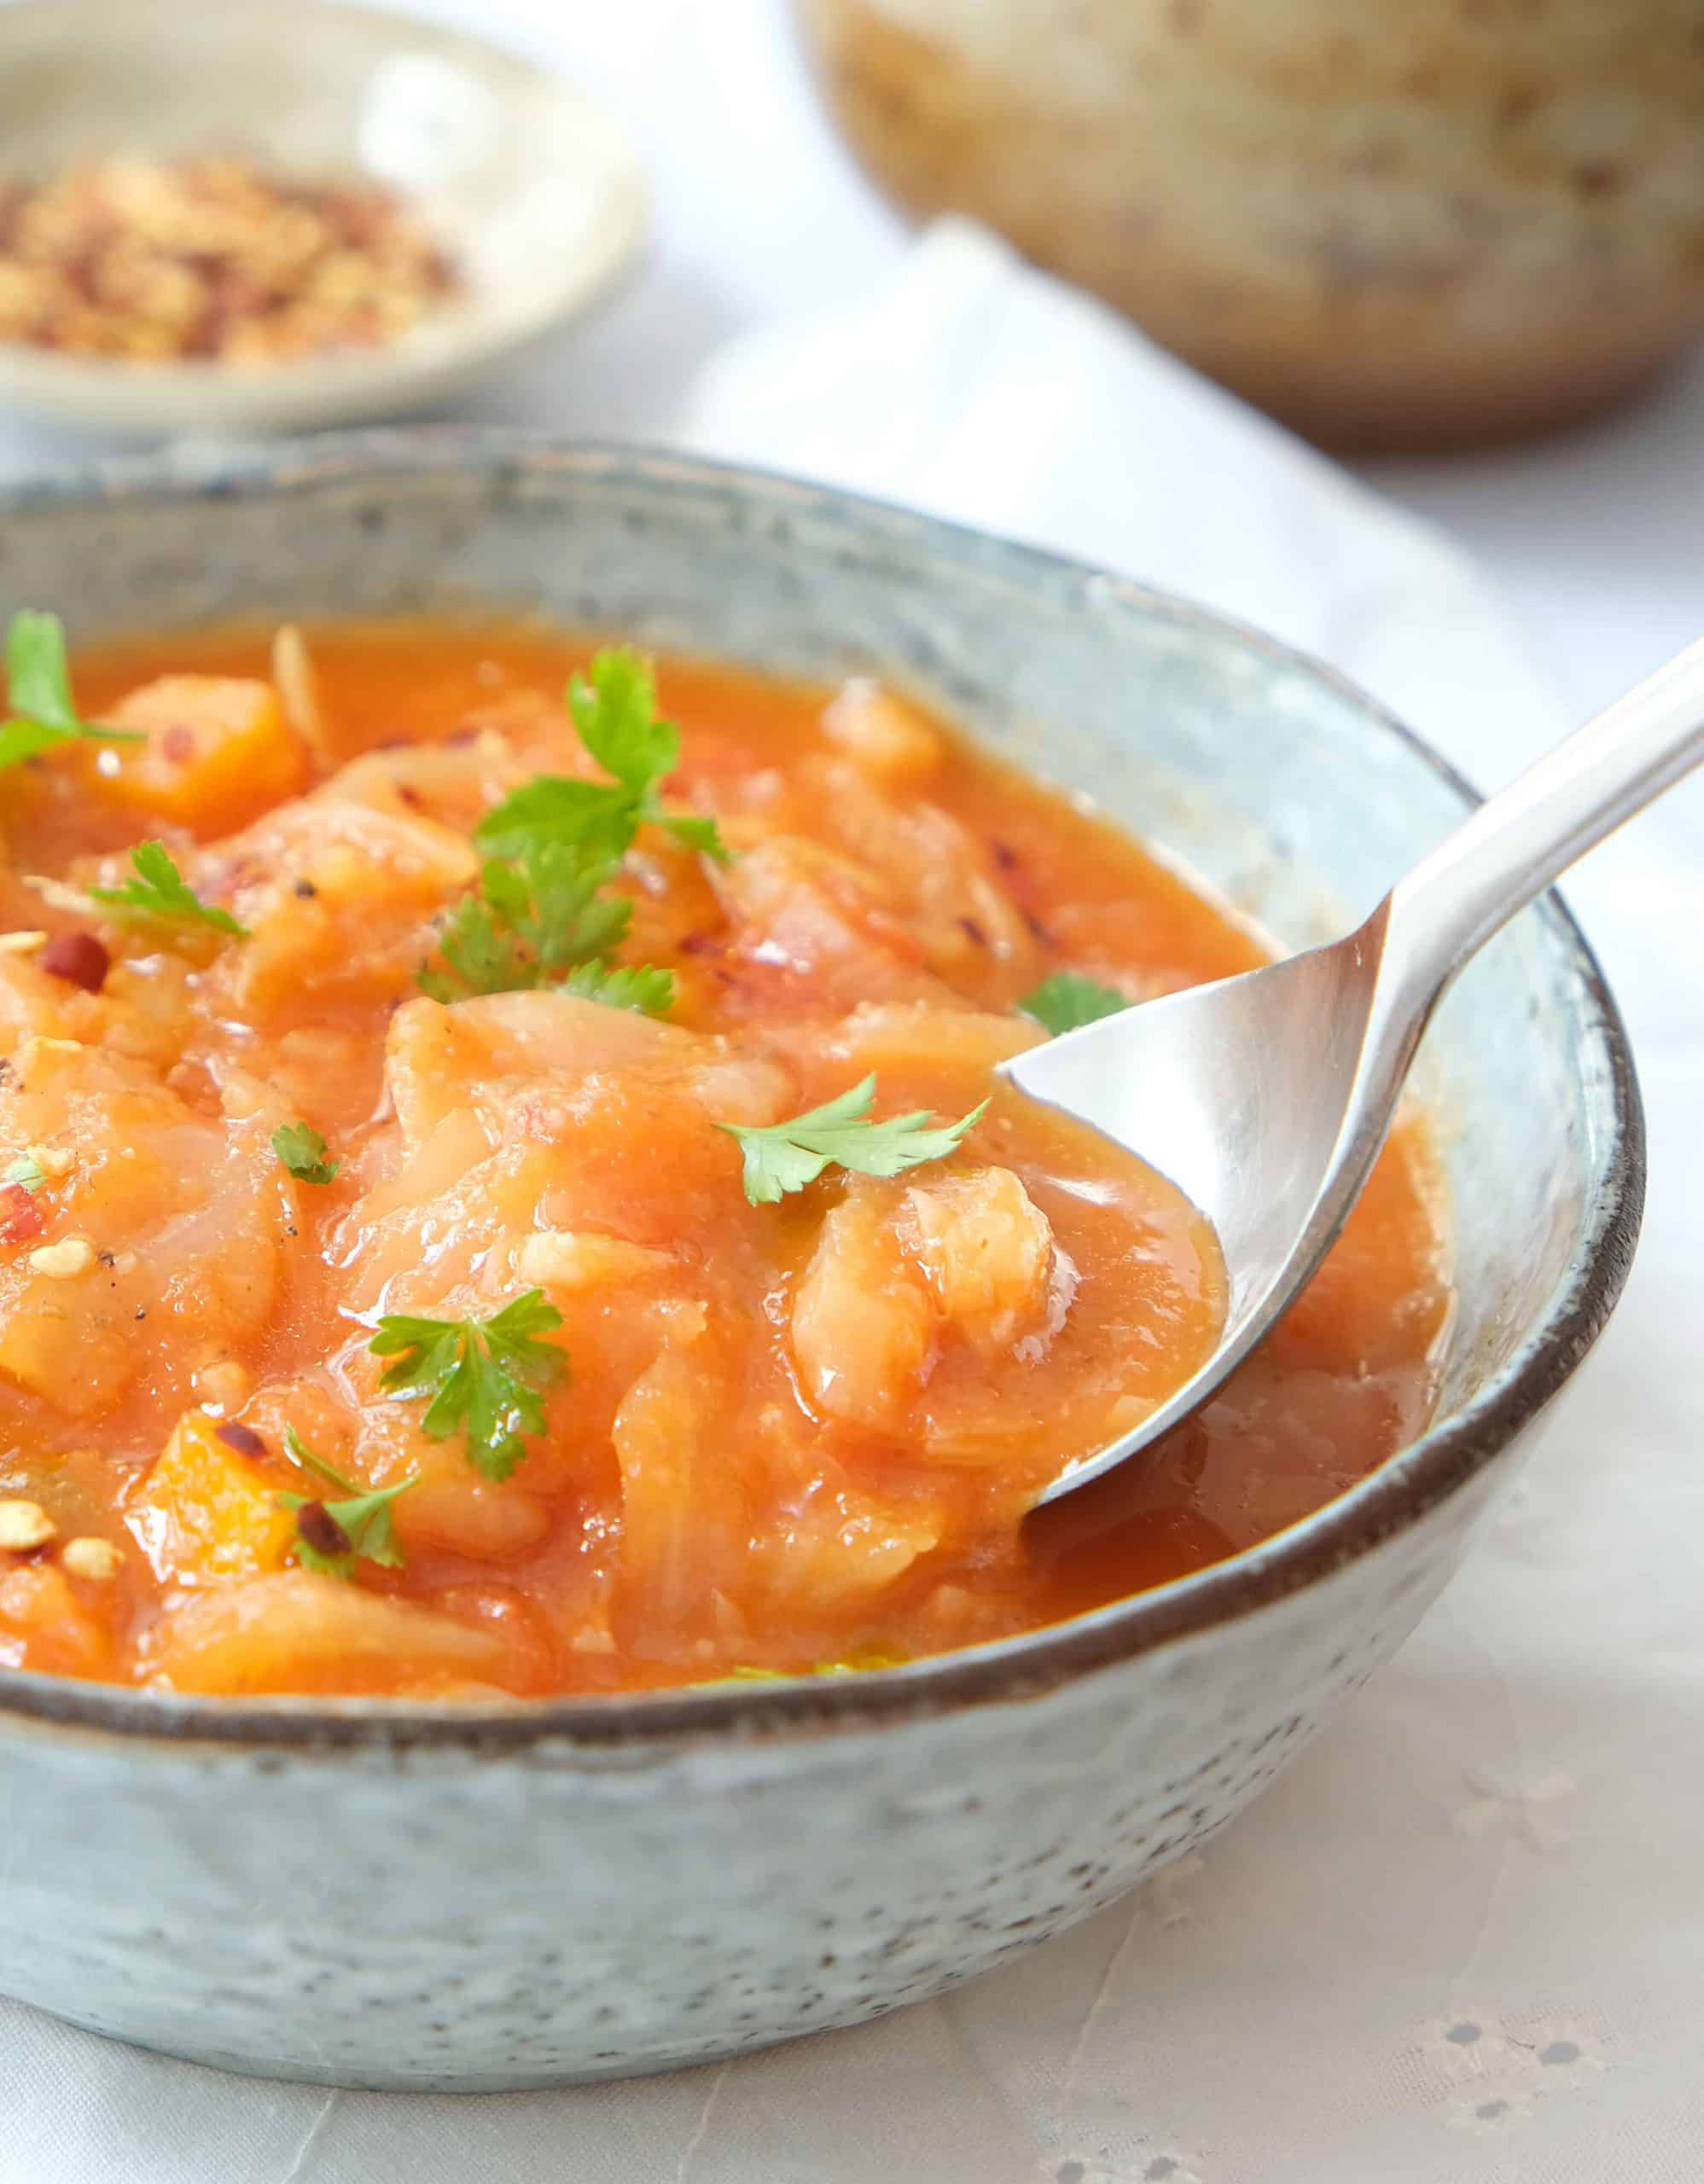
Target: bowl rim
127,397
1389,1500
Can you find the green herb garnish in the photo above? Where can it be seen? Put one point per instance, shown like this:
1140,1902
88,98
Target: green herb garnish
484,1377
541,921
363,1519
27,1173
303,1152
782,1157
1068,1001
540,916
43,712
614,707
160,892
639,986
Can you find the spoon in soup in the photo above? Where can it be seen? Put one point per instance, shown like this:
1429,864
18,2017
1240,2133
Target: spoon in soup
1266,1098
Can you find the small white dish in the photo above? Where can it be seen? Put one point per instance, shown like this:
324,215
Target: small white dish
536,193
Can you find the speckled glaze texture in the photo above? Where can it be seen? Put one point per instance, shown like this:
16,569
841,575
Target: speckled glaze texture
407,1896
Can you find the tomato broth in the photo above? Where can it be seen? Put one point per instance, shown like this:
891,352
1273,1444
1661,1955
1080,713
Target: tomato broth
421,1271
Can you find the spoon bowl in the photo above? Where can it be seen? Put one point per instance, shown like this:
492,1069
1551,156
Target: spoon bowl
1236,1091
1266,1098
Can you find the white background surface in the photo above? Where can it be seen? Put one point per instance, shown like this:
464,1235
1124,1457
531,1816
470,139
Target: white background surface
1462,1942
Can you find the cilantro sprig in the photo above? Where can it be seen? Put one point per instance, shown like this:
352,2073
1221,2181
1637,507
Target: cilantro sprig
541,921
159,892
484,1378
42,713
782,1157
540,916
639,986
364,1520
613,708
1068,1001
304,1152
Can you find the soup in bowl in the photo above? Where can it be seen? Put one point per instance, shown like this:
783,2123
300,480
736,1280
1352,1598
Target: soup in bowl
480,1230
526,1305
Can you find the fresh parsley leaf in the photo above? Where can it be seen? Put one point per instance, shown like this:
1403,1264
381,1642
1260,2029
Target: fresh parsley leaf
363,1519
782,1157
540,916
303,1152
1068,1001
159,890
43,713
613,708
300,1455
641,986
694,831
552,901
38,674
596,817
483,1377
27,1173
536,919
480,955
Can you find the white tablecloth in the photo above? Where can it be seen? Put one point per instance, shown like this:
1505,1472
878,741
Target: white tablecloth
1462,1942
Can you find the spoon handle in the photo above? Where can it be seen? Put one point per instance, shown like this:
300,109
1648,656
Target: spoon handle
1523,838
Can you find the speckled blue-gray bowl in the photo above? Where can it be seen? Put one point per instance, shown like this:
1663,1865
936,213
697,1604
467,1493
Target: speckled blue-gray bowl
418,1896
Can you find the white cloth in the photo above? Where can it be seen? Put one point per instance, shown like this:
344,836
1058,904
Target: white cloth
1462,1940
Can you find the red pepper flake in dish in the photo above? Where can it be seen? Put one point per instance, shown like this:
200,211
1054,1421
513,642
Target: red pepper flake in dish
243,1438
77,958
320,1530
21,1219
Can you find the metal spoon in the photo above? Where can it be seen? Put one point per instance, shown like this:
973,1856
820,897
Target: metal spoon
1266,1098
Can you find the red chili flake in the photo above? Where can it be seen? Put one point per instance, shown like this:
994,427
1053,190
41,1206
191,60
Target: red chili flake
409,795
320,1530
1004,856
77,958
83,272
243,1438
973,932
702,943
178,745
1038,930
21,1217
305,889
459,736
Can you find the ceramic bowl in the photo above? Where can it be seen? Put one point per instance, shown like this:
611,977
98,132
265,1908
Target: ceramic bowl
411,1896
534,190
